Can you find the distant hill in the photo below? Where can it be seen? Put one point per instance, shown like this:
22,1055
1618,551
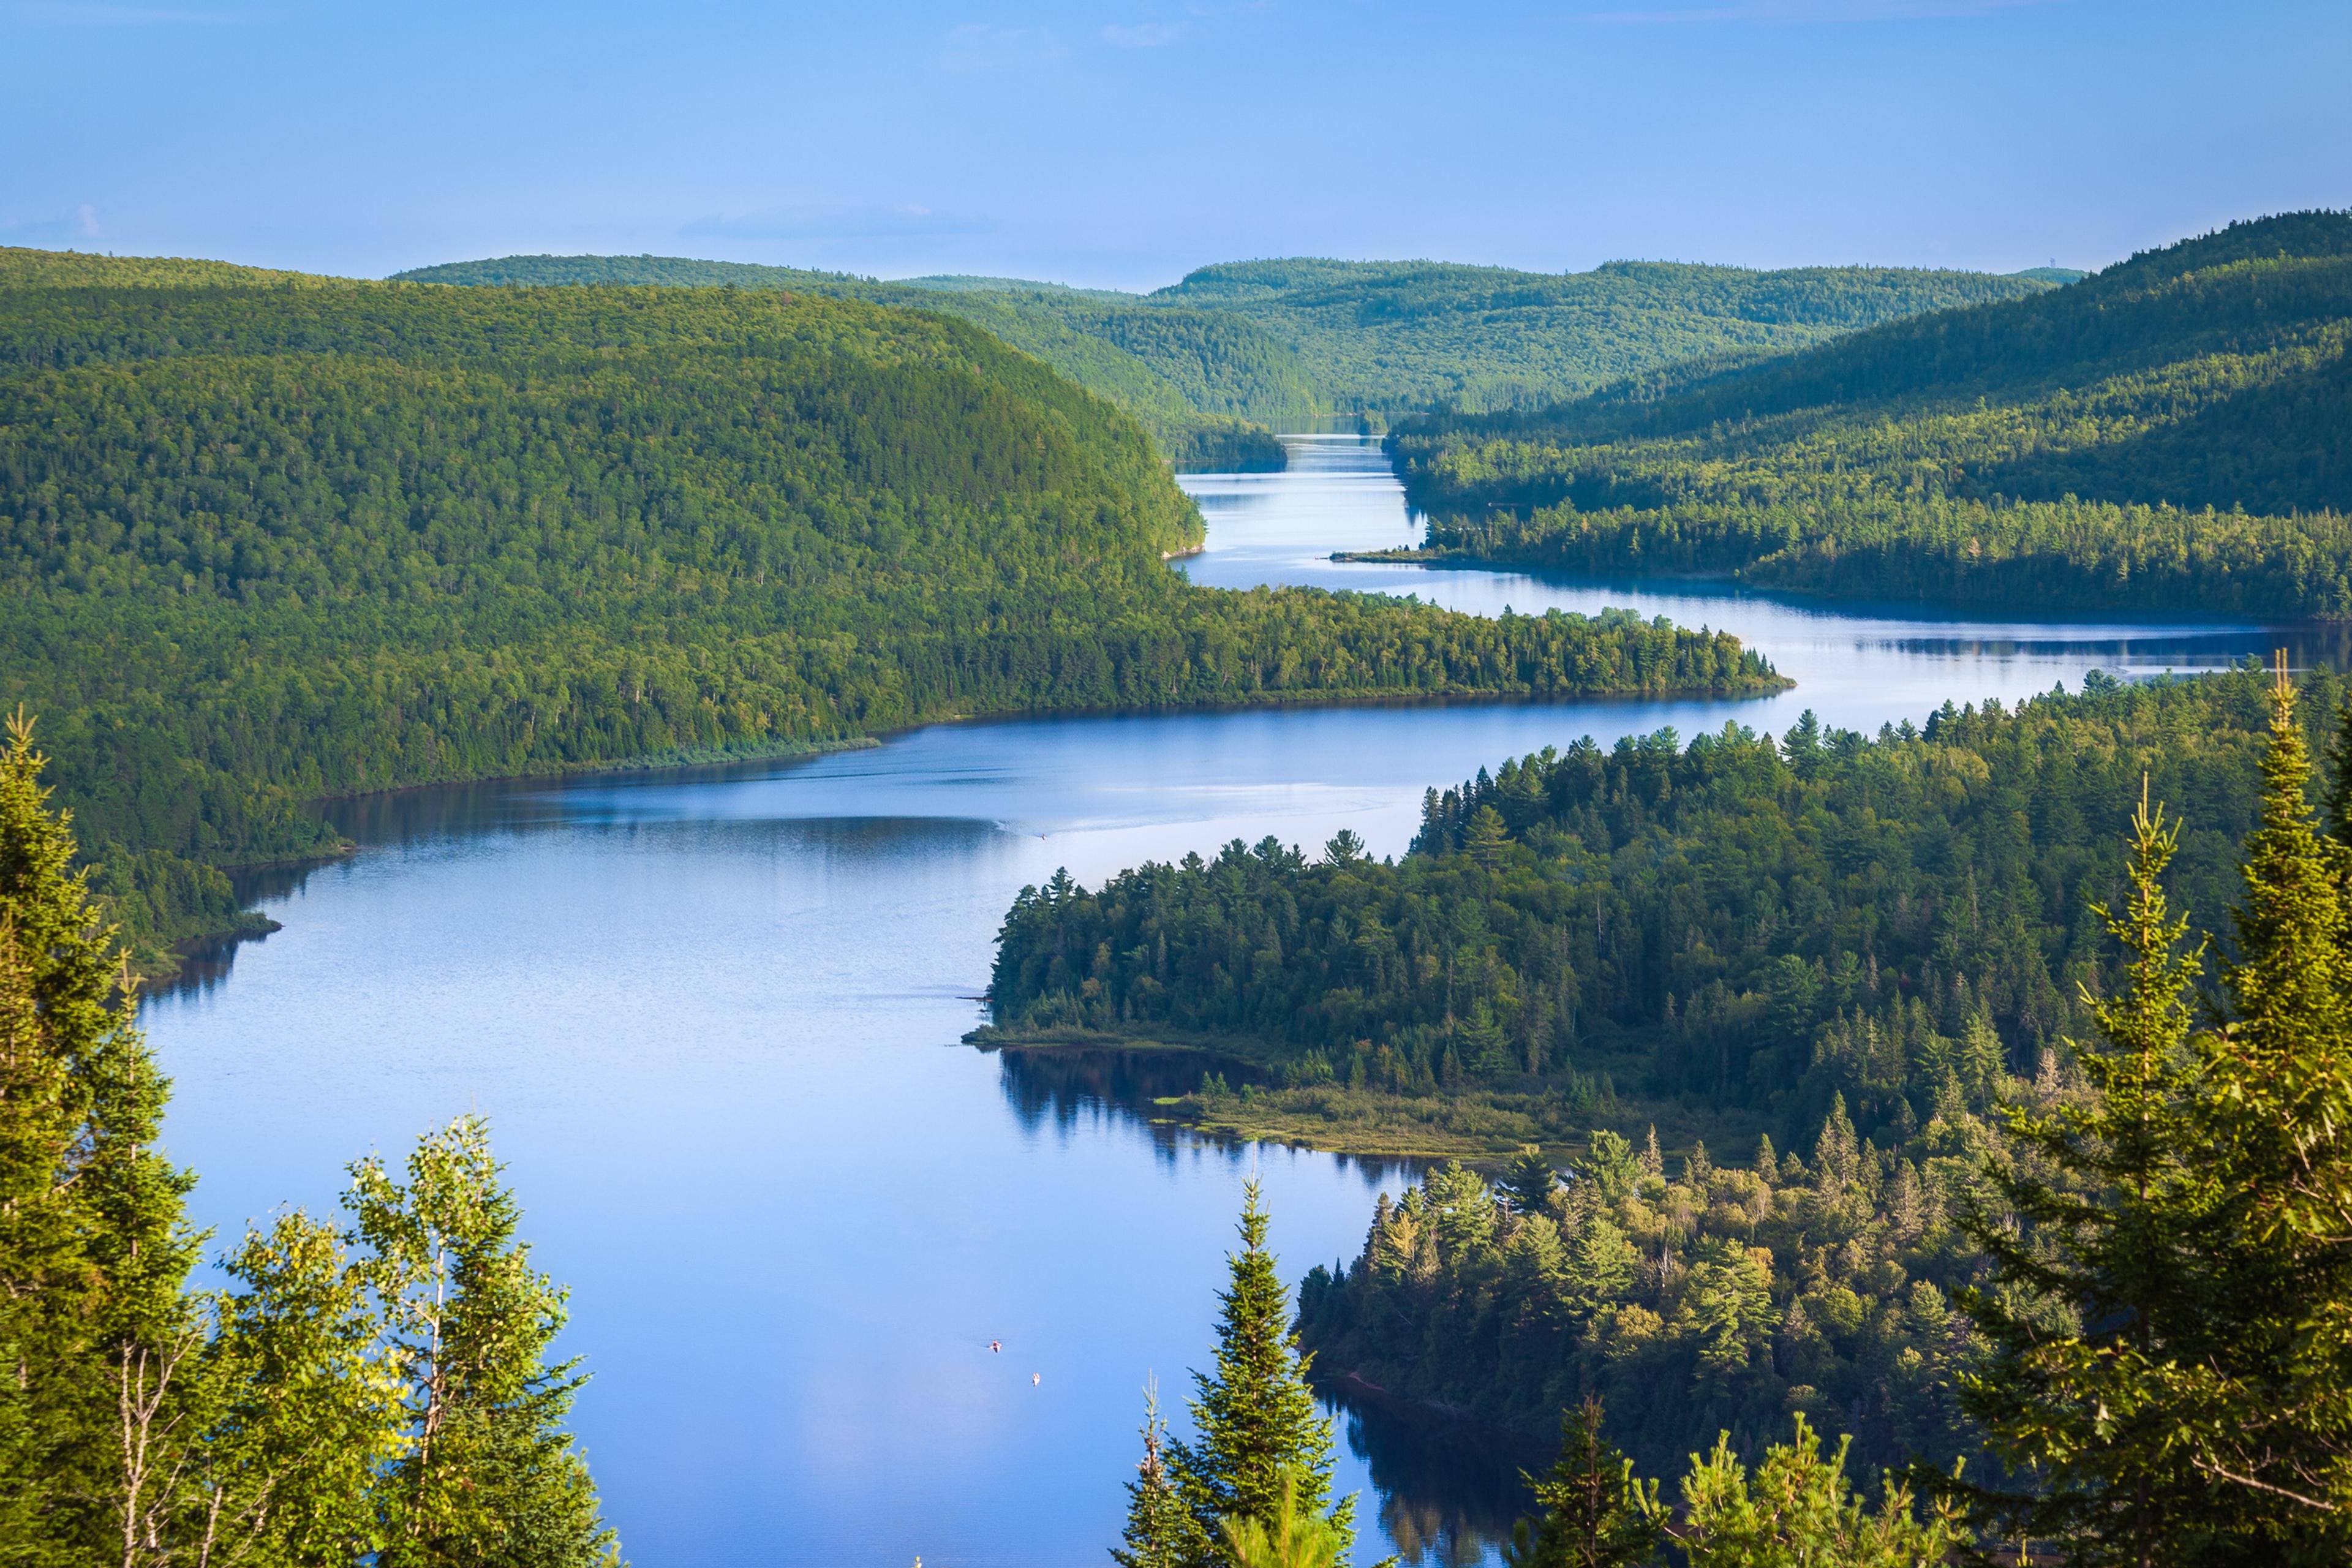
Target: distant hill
2175,431
1210,364
1394,336
1206,386
266,539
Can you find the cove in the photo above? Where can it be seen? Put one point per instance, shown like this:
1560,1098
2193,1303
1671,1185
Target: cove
712,1015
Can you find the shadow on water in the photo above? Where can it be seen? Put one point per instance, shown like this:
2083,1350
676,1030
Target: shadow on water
1448,1490
1064,1087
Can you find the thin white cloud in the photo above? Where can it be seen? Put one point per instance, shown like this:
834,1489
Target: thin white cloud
1144,35
977,47
836,220
1806,11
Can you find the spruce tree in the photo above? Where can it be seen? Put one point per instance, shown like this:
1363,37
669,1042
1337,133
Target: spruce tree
2276,1096
489,1475
2108,1286
97,1341
1596,1513
1254,1416
1530,1181
1288,1535
1160,1533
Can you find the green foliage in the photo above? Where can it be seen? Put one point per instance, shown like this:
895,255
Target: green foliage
2169,1347
98,1336
1392,336
1751,924
1160,1532
1207,364
2166,434
489,1473
1261,1452
304,1408
392,1408
1721,1299
1287,1535
264,543
1799,1510
1595,1513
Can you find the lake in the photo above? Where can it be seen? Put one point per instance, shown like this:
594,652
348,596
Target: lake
713,1016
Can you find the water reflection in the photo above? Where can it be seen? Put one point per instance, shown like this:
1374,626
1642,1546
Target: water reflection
1448,1490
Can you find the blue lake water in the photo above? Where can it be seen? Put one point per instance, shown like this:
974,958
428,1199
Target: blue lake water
713,1018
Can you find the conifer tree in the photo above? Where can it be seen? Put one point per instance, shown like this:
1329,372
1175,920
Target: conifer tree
1529,1180
2100,1305
489,1475
96,1337
1159,1533
1596,1512
1800,1509
1289,1535
1255,1415
2277,1098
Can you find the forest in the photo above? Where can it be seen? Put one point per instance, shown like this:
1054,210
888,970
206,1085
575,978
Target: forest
1753,925
2008,1209
2166,434
268,539
1209,363
2095,1321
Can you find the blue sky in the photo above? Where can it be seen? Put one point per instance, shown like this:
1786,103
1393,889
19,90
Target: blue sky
1120,143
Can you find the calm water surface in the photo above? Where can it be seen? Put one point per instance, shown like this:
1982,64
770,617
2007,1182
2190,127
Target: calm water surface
713,1018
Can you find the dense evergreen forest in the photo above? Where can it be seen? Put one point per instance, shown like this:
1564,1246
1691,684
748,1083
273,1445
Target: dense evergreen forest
2041,1169
1209,362
2170,433
267,538
1755,926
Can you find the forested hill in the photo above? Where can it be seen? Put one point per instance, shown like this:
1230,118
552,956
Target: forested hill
266,539
2171,432
1394,336
1206,384
1285,342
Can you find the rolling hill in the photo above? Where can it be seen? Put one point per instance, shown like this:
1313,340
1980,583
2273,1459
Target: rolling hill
1210,364
2174,432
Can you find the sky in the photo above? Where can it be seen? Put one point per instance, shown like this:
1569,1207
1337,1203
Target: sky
1120,145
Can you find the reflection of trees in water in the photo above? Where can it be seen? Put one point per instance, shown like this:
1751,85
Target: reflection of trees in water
1064,1087
1448,1490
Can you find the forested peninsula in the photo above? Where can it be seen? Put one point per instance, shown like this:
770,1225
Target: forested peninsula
2169,434
267,538
1789,1013
1211,363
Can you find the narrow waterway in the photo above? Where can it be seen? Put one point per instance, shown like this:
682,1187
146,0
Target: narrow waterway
713,1017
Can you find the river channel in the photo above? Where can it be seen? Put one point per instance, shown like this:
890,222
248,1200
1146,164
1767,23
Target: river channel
713,1018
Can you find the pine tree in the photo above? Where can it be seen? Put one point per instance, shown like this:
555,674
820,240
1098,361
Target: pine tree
97,1337
1288,1535
1530,1181
2102,1307
1160,1533
489,1475
1255,1415
2277,1099
1596,1513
